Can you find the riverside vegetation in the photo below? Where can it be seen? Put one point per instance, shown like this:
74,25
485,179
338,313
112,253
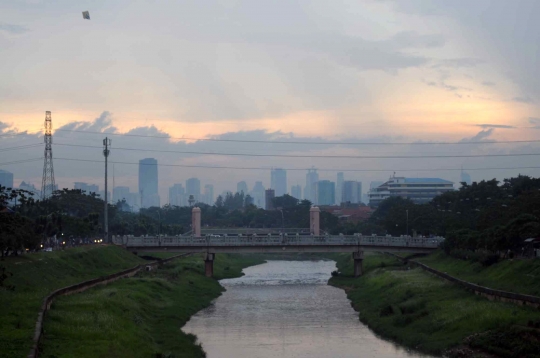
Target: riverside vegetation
136,317
426,313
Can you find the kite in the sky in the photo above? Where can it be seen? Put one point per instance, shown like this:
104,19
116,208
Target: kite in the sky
86,15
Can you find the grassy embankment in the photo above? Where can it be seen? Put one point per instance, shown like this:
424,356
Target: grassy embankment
140,316
421,311
521,276
36,275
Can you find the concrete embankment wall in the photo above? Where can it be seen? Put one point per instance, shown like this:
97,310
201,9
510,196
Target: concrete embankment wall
491,294
83,286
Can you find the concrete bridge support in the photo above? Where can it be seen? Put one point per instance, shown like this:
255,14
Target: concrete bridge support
358,258
196,222
209,265
314,226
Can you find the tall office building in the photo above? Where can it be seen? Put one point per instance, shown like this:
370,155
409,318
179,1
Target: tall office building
120,193
193,187
312,177
296,192
177,195
278,181
6,178
465,177
258,194
352,192
148,182
269,195
29,187
209,194
339,188
325,192
87,188
242,187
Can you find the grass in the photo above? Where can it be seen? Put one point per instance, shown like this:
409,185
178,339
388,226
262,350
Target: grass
140,316
36,275
426,313
521,276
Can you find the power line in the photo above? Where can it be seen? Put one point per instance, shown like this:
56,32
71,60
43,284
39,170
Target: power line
22,161
300,169
299,142
20,147
313,156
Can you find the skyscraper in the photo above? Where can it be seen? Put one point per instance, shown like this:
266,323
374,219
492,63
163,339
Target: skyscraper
209,194
278,181
193,187
177,195
148,182
120,193
296,192
6,178
339,188
87,188
269,195
258,194
309,190
242,187
465,177
352,192
325,192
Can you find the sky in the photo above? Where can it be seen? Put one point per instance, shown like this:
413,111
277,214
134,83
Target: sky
321,72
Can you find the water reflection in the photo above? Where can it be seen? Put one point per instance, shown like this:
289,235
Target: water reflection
285,309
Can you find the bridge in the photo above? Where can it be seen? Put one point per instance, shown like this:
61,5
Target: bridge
214,243
210,245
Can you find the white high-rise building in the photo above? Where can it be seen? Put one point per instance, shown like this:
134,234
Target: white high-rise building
177,195
312,177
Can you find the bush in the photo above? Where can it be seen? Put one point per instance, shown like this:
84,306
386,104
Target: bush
335,273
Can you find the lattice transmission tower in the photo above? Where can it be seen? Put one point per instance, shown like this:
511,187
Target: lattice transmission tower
47,183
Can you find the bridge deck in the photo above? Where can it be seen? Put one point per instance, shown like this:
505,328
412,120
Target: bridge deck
269,244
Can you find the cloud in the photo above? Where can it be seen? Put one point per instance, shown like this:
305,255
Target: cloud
523,99
488,84
480,136
502,126
13,29
103,123
456,63
533,120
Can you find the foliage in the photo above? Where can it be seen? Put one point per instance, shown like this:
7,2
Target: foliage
426,313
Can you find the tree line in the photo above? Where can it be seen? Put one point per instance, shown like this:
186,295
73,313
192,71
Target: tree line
487,216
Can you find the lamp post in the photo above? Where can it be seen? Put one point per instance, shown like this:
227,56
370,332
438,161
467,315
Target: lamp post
407,230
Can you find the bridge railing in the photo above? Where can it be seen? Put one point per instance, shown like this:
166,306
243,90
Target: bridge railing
352,240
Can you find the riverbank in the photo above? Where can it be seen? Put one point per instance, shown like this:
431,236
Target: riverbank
34,276
140,316
431,315
513,275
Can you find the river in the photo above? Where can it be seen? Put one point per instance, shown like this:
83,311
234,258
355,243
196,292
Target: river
286,309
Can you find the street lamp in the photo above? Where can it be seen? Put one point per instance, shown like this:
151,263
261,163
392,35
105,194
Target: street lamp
407,230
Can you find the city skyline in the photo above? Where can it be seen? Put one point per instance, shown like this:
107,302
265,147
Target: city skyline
404,74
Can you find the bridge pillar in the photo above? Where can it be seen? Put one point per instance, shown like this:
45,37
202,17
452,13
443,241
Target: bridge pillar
314,227
196,222
358,258
209,265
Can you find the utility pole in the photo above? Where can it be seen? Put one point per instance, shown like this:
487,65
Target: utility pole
106,151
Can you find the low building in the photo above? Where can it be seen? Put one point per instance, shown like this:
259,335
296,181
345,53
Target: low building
419,190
